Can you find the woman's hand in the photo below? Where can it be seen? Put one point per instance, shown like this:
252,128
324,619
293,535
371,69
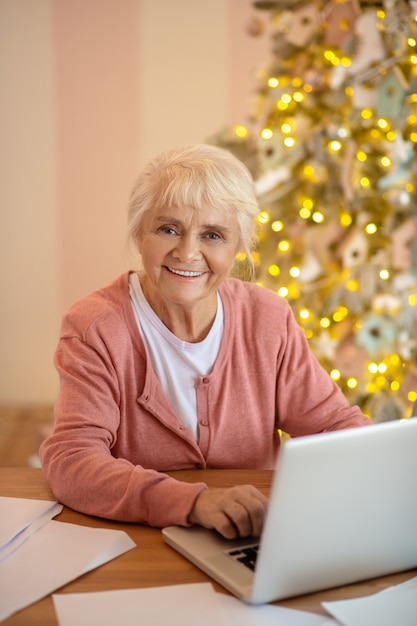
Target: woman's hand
234,512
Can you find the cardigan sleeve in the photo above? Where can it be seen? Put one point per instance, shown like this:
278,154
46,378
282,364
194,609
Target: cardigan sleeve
77,458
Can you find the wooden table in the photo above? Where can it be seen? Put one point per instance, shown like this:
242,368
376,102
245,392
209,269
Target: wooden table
152,562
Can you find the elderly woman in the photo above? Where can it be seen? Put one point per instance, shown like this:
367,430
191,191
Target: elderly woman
179,366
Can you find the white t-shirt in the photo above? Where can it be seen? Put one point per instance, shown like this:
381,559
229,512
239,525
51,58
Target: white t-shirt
177,364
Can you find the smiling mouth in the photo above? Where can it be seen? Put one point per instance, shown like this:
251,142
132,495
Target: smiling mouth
184,273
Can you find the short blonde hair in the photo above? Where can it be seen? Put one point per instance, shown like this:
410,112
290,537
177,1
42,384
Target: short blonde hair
197,176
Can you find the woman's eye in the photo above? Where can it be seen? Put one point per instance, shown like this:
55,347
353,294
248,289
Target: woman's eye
213,236
167,230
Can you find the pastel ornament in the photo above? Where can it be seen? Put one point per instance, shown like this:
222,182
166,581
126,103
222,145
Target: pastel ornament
406,345
402,246
325,345
300,25
322,243
370,48
340,22
350,359
377,335
354,249
391,94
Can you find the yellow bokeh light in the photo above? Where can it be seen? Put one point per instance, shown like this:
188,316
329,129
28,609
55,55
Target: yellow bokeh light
394,359
263,217
382,123
298,96
361,156
241,256
328,55
384,274
266,133
412,299
273,82
289,142
340,314
286,128
294,271
352,383
277,226
371,228
284,246
345,219
283,292
352,285
282,106
325,322
366,114
335,374
365,182
308,171
385,161
373,368
395,385
305,213
304,314
318,217
241,131
274,270
335,145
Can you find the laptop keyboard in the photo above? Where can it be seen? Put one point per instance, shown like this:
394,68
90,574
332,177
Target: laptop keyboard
246,555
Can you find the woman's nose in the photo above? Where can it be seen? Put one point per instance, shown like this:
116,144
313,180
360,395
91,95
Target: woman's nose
187,249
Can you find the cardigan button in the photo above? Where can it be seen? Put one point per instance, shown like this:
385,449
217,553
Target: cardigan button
206,380
204,423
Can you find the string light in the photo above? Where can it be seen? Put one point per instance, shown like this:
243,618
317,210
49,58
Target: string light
277,226
241,131
371,229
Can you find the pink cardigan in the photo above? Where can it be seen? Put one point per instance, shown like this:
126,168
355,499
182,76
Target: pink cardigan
115,432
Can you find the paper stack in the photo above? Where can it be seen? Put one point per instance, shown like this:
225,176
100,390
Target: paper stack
38,555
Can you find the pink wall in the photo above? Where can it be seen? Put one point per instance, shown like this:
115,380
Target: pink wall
97,120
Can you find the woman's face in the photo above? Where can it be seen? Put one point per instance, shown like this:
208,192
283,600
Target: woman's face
186,253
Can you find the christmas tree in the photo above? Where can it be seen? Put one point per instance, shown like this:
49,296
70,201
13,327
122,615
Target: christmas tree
332,145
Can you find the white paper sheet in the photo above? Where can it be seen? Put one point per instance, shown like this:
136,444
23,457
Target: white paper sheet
240,614
53,556
176,605
394,606
20,518
16,514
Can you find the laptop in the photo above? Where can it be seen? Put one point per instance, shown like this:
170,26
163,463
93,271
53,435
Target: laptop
343,508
